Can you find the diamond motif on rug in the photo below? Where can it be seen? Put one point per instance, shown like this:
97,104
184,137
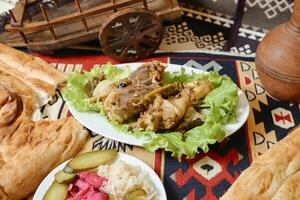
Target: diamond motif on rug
207,167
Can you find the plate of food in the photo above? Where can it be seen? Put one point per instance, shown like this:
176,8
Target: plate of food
156,105
102,175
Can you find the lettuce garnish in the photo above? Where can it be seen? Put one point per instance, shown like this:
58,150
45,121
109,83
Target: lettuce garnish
220,104
75,94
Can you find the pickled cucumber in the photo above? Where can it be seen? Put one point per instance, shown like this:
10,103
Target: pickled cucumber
134,194
111,197
57,191
91,160
68,170
62,177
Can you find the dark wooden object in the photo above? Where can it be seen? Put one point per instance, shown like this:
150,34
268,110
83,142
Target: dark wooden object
78,22
278,59
131,34
238,18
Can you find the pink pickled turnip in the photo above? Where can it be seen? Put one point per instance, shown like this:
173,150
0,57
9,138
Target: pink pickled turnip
86,187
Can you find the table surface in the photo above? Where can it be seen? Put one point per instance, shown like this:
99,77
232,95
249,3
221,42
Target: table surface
209,175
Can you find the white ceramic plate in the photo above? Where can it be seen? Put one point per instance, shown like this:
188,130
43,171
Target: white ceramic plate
100,125
46,183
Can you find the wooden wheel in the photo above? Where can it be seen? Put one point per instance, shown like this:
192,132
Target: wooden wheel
131,34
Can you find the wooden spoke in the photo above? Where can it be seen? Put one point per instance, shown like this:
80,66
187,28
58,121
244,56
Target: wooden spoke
148,41
131,34
125,23
114,45
124,51
138,47
114,32
139,22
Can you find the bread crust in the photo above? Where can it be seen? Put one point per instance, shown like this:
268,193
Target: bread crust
43,89
29,150
269,172
290,190
28,99
33,150
31,66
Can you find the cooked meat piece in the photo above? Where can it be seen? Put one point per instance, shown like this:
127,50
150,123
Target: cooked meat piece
198,90
151,119
167,113
164,113
165,91
122,103
175,108
147,73
191,119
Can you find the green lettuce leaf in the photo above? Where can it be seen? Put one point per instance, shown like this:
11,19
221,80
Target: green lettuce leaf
115,73
220,105
222,102
172,142
182,77
75,93
189,143
200,137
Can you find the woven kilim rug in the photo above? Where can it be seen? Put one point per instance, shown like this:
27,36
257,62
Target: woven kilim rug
206,24
259,14
209,175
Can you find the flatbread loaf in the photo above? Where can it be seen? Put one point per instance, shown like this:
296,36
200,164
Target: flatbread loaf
31,66
290,190
43,91
17,102
42,77
33,150
29,150
272,174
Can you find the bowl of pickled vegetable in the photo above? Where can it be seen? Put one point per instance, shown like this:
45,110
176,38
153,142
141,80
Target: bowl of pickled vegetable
102,175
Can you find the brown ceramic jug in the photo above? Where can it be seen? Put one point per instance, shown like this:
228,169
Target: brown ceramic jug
278,59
